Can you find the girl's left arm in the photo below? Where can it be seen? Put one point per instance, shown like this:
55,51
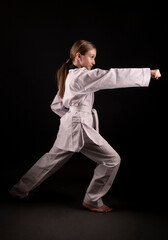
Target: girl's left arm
97,79
155,74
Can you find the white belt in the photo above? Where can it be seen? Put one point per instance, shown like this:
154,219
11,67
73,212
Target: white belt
82,108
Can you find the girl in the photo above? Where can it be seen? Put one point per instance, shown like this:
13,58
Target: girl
78,129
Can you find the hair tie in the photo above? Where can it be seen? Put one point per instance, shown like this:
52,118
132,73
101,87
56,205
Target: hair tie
69,60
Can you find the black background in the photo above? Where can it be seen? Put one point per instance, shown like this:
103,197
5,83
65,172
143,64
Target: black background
35,40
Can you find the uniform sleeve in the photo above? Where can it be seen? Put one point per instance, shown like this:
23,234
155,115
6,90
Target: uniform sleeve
57,106
97,79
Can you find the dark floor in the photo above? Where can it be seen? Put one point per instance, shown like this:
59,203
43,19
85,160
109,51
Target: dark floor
55,212
58,214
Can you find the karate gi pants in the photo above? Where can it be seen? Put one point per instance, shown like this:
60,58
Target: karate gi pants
105,156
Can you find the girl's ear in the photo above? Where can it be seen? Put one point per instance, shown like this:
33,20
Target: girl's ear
78,56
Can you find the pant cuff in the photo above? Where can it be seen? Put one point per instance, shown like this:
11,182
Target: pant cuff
16,194
97,204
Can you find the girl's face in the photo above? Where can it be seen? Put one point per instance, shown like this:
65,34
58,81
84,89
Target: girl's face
87,60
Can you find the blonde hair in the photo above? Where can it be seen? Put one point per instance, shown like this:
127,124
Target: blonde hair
80,46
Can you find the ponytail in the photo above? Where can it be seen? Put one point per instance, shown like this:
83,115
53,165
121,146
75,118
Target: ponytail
61,77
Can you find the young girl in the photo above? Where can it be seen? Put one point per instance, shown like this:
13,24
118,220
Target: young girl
78,129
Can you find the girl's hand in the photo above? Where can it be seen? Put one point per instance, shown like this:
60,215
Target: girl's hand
155,74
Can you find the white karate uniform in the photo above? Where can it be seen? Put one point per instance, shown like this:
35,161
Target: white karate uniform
78,130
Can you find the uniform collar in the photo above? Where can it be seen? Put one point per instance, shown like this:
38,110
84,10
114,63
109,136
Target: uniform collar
72,66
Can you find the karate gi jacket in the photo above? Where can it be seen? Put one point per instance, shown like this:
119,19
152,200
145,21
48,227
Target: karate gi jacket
75,109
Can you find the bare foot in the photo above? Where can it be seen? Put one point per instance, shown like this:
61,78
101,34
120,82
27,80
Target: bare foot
102,209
